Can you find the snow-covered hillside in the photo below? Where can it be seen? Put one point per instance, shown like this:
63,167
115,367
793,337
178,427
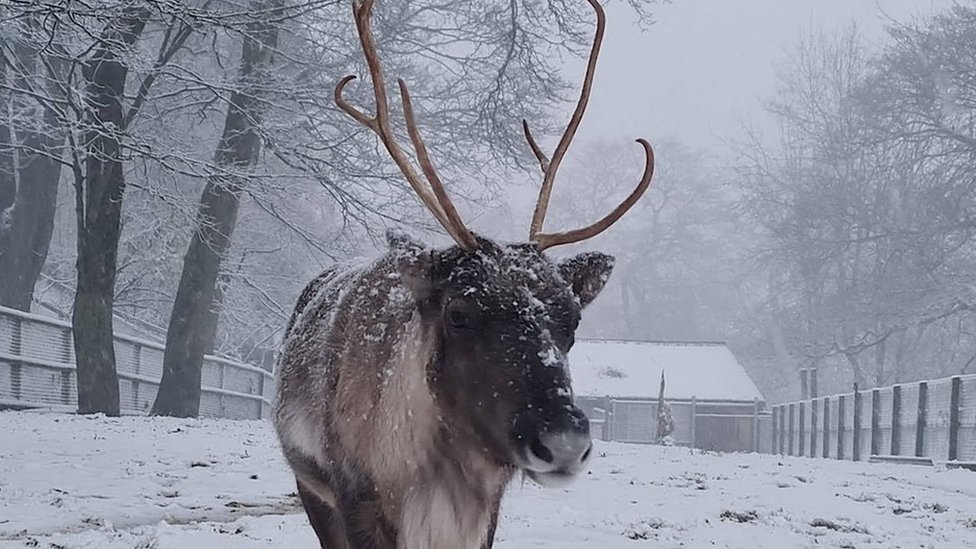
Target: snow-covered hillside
73,482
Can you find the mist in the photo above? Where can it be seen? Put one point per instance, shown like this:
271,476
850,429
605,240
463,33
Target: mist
200,199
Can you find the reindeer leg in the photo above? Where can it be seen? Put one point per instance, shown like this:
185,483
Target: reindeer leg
365,523
492,524
325,520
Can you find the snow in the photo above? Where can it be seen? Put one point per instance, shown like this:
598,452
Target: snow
79,482
549,357
632,369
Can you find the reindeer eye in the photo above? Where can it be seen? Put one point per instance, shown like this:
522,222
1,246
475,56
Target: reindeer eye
459,320
459,316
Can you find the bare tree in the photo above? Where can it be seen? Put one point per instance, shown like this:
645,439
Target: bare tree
138,92
31,141
675,253
193,323
864,204
77,78
99,193
501,67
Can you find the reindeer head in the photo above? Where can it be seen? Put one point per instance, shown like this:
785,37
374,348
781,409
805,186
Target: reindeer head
505,316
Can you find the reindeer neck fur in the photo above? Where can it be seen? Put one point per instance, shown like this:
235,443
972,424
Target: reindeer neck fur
358,342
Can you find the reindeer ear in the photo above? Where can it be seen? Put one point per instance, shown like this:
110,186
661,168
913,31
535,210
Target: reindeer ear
414,261
586,274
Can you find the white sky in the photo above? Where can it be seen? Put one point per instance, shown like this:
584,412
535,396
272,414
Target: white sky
704,66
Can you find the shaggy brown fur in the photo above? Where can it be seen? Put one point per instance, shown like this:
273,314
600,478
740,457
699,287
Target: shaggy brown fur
411,390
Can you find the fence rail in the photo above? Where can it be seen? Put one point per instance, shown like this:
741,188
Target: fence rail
37,369
933,419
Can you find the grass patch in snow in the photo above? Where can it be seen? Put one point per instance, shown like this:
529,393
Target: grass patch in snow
741,518
838,527
645,529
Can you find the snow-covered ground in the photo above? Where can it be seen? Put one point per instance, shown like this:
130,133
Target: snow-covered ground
73,482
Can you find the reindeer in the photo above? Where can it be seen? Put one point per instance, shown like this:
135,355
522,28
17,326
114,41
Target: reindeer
412,390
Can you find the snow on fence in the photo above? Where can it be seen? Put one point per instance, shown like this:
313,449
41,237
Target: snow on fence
927,421
37,369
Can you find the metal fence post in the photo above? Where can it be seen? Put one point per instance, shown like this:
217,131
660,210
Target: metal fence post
840,426
774,432
789,443
826,427
896,420
607,421
261,401
856,446
755,425
613,419
694,419
802,442
814,418
920,418
954,401
782,430
875,422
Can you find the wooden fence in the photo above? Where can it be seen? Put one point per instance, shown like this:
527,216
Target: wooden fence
37,370
925,422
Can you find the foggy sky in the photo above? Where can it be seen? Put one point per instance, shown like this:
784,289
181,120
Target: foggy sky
702,68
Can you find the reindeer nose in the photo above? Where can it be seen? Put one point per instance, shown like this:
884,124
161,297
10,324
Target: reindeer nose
563,451
564,445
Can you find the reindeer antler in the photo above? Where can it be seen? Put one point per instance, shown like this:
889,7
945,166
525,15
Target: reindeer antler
437,202
550,167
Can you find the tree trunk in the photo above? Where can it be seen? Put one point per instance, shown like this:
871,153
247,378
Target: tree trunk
859,378
880,356
29,175
8,185
99,213
193,322
26,236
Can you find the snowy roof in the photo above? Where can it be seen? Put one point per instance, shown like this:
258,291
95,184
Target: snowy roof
632,369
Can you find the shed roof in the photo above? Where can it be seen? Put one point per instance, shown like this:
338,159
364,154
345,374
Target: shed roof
632,369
